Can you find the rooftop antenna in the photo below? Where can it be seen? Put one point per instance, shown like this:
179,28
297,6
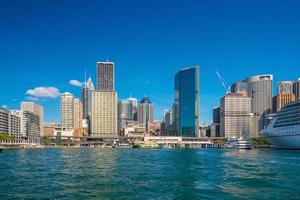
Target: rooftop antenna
106,58
85,75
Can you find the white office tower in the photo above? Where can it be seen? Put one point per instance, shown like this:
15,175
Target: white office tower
235,116
261,93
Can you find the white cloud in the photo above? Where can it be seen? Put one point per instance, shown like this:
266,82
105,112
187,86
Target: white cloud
76,83
4,106
44,92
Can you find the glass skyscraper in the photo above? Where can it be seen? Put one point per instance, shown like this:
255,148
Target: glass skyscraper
187,101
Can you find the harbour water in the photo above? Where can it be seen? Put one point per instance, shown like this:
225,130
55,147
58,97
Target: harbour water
74,173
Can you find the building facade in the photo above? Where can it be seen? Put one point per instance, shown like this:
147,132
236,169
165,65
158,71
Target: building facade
36,109
135,108
104,114
260,90
235,116
86,98
71,112
145,113
281,100
240,88
285,87
30,126
10,122
187,102
125,114
296,88
105,76
216,115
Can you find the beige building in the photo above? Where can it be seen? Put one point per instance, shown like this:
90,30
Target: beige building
281,100
77,106
235,115
71,112
104,114
35,109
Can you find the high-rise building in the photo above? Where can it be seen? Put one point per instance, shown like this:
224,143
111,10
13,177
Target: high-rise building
4,121
104,114
235,113
281,100
296,89
167,127
77,109
30,126
187,101
36,109
125,114
86,98
260,92
168,117
135,108
145,115
15,123
105,76
285,87
240,88
71,112
67,111
216,115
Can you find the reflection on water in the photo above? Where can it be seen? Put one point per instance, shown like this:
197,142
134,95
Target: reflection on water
149,174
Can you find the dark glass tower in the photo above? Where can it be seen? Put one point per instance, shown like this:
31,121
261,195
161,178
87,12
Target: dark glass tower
187,101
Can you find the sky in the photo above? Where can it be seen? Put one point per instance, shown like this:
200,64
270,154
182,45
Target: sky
47,45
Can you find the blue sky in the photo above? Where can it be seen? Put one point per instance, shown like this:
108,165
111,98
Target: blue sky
47,43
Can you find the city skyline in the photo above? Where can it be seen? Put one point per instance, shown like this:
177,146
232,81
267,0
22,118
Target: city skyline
145,61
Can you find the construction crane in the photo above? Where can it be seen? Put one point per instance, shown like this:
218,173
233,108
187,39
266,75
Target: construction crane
223,82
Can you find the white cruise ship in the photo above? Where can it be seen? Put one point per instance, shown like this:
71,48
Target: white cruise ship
283,131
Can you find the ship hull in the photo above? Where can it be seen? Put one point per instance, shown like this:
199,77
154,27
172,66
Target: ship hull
285,141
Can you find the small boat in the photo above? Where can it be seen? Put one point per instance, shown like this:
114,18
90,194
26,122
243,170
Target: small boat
244,143
238,143
1,148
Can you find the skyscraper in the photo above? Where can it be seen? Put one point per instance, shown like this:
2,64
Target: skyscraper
187,101
104,122
145,115
77,109
125,114
281,100
105,76
216,115
135,108
260,91
285,87
35,109
71,112
66,111
296,88
104,114
285,95
86,98
235,112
